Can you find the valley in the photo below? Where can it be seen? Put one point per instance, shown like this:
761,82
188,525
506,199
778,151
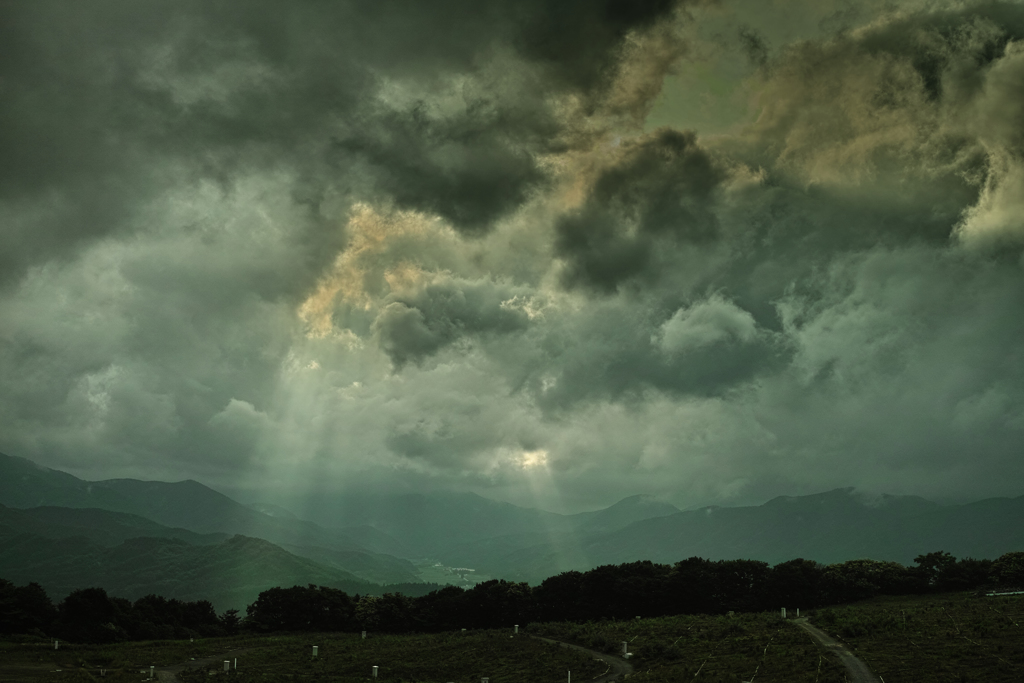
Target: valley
69,533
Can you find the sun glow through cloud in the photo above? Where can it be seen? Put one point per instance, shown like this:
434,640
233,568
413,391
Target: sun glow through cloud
533,459
715,252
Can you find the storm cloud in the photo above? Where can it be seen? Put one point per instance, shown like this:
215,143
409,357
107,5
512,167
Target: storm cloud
555,253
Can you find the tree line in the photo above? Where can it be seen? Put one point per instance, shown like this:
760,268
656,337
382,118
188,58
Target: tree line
626,591
90,615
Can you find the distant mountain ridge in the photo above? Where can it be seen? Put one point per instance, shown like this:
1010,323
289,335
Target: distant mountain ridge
104,527
25,484
828,527
230,574
432,525
506,541
410,525
625,512
189,505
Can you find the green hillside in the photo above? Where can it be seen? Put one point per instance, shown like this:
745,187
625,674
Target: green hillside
101,526
230,574
185,506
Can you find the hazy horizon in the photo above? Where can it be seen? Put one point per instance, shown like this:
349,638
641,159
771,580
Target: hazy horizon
555,254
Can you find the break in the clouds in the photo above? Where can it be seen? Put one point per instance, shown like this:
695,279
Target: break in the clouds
556,253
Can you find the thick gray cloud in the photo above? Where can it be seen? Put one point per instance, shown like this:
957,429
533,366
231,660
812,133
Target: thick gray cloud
98,101
440,245
661,191
413,327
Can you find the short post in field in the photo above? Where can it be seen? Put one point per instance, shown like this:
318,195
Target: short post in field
227,665
151,667
316,650
516,629
783,612
374,672
364,635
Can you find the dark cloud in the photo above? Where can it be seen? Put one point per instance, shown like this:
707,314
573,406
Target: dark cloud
414,327
98,99
659,194
623,351
254,239
755,46
470,171
576,40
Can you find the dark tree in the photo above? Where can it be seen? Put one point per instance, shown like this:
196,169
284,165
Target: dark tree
25,609
441,610
231,622
89,615
560,598
498,603
692,587
312,608
1008,571
796,583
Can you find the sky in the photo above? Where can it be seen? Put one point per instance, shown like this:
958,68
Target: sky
554,253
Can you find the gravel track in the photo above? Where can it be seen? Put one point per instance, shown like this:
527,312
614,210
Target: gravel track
617,668
857,670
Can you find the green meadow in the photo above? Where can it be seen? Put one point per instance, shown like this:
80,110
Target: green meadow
946,637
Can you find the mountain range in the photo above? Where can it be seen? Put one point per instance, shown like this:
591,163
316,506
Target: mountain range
829,527
186,540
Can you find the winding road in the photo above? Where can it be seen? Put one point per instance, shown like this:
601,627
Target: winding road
616,667
857,669
169,674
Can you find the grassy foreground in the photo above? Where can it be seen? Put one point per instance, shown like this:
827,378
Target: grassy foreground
341,657
907,639
955,637
38,661
760,647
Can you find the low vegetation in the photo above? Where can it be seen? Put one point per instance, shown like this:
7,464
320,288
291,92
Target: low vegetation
694,618
943,637
498,655
959,637
741,647
453,656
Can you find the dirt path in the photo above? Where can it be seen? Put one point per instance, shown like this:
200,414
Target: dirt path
858,670
169,674
616,667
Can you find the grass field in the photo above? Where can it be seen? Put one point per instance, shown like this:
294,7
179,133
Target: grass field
959,637
435,657
761,647
341,657
39,661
